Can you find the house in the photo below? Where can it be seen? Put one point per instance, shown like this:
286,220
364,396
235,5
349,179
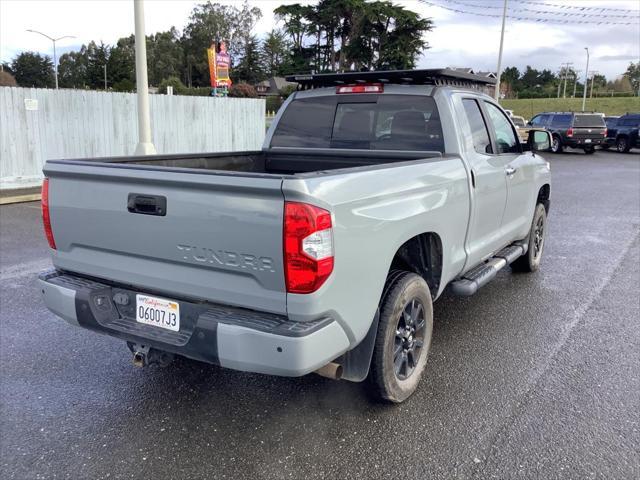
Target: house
272,86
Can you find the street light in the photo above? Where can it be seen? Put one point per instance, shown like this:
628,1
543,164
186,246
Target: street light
586,79
55,58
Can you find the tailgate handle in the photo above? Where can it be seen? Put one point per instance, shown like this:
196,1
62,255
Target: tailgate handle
147,204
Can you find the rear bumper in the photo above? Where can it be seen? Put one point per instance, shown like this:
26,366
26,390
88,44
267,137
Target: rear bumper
230,337
584,142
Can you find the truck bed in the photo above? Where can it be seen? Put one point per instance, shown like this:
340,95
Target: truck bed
273,162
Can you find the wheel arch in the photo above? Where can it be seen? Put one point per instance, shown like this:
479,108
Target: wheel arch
544,196
423,255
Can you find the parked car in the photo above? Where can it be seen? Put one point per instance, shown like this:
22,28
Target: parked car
323,251
622,132
521,127
583,131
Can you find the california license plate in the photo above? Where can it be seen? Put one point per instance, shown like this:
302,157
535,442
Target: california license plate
158,312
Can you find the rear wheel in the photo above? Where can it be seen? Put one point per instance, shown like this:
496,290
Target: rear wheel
556,144
530,261
403,338
589,150
622,145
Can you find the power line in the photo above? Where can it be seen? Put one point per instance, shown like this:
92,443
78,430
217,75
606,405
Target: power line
524,18
537,12
575,7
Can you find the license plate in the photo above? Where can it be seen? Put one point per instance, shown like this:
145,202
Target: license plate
158,312
587,140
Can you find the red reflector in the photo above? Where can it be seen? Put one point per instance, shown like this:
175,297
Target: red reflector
46,219
362,88
308,256
570,132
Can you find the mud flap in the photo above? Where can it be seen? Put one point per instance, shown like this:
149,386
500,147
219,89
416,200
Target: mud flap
356,362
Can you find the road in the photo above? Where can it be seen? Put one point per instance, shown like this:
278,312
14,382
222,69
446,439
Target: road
536,376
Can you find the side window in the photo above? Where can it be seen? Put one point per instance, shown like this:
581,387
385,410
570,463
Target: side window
561,121
535,121
479,132
506,139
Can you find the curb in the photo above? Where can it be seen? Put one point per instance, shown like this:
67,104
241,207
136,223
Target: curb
19,198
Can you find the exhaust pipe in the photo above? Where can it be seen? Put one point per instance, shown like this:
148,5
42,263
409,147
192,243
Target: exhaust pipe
139,359
330,370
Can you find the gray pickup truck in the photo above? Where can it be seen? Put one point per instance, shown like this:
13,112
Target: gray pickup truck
374,192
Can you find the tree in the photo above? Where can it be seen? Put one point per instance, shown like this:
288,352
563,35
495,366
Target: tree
165,56
251,67
97,57
121,66
633,74
275,49
33,70
212,22
72,69
353,34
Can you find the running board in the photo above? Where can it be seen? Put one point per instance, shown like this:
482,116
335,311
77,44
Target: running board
479,276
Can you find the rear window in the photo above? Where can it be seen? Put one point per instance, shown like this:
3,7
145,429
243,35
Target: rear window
588,121
369,122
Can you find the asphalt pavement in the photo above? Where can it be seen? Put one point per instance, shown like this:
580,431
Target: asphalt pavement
536,376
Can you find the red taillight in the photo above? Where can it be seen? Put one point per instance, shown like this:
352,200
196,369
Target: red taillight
570,132
362,88
308,247
46,219
605,132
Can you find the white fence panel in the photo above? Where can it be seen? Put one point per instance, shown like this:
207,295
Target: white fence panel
41,124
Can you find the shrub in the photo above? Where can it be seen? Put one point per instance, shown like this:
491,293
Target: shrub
124,85
178,86
242,90
273,103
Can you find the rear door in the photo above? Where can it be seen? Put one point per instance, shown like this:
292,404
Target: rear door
489,186
216,237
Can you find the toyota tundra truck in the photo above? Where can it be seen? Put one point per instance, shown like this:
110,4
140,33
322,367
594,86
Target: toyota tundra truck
323,252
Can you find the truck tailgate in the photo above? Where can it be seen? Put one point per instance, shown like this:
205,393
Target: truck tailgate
218,239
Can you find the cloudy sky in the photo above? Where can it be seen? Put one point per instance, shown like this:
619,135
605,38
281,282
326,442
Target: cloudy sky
458,39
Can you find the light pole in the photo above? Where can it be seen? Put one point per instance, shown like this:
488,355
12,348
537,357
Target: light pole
145,145
499,69
55,58
586,79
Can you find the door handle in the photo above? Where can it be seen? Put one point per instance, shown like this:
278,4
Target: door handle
147,204
510,171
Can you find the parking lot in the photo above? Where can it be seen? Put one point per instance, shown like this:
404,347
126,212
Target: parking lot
536,376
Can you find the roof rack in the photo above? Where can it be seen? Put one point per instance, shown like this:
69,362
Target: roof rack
432,76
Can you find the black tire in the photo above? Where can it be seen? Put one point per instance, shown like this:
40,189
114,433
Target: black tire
556,144
530,262
589,150
622,145
403,338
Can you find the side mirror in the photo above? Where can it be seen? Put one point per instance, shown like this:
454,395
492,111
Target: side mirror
539,141
529,124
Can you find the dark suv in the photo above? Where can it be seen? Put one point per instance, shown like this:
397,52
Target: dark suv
622,133
573,130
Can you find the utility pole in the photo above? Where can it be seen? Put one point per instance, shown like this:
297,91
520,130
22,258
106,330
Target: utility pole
499,69
55,57
145,145
586,81
105,77
560,80
575,82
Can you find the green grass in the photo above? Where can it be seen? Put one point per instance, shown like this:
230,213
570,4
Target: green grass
607,105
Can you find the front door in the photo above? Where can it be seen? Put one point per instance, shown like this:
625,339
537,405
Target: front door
518,172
